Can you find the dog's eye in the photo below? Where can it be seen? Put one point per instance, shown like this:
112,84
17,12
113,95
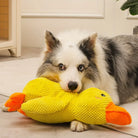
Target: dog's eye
81,68
61,67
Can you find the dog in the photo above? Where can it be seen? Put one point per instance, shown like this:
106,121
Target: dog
79,60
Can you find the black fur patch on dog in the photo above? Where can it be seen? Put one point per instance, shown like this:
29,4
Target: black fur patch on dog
136,80
87,49
134,76
92,72
110,54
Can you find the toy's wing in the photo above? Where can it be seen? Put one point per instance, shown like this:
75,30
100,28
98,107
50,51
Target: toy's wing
44,105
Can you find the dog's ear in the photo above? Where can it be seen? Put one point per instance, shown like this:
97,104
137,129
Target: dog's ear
51,41
92,39
87,46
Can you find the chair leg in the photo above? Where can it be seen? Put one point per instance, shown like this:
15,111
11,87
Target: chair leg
12,53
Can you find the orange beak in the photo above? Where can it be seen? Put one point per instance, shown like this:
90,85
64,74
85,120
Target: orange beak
117,115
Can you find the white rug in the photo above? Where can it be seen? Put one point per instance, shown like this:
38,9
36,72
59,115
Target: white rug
15,74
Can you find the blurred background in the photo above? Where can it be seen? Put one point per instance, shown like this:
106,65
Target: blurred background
102,16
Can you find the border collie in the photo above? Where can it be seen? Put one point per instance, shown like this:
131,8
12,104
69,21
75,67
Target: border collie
79,60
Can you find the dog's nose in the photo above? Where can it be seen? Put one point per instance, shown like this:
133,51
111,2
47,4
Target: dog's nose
72,85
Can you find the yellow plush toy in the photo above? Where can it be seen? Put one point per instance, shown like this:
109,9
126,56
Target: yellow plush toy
44,100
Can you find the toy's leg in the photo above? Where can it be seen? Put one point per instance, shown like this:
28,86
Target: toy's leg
15,101
21,111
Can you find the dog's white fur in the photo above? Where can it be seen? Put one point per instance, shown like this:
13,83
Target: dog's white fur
69,52
67,55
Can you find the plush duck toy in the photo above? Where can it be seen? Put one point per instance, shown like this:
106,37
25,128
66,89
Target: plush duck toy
45,101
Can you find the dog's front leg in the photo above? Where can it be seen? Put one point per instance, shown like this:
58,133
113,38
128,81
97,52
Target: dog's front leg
78,126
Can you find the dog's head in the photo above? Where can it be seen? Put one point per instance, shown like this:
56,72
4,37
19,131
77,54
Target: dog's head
69,59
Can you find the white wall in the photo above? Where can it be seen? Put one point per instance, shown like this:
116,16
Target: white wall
102,16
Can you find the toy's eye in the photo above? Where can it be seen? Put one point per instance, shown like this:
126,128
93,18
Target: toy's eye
81,68
61,67
102,95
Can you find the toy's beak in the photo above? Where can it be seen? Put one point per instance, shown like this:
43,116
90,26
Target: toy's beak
117,115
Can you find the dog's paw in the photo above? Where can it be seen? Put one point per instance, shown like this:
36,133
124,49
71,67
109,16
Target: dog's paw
4,108
78,126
